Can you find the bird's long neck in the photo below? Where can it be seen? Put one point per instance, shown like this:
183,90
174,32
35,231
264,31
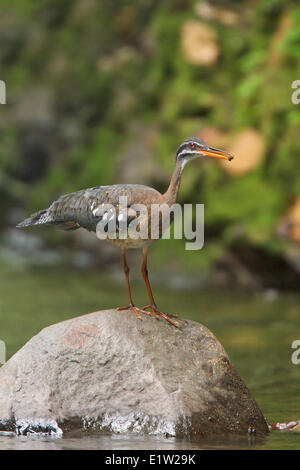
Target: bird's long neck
170,196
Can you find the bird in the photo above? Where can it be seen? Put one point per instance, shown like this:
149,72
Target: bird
91,208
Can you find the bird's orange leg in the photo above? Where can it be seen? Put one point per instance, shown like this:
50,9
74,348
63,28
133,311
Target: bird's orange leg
131,305
157,313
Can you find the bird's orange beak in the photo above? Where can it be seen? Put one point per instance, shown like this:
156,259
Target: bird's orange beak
211,152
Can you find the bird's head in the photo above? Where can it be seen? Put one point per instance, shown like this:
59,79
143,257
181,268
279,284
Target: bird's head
195,148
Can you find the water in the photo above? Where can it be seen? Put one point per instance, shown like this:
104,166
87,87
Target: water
116,442
256,329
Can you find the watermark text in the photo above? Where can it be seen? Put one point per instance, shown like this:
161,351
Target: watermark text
2,352
150,222
2,92
296,354
296,94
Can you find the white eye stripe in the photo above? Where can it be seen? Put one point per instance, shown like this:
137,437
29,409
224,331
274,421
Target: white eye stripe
184,152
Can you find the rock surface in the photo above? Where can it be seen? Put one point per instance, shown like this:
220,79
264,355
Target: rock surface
108,371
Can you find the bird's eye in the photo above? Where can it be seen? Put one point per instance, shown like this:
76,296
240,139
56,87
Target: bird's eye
192,146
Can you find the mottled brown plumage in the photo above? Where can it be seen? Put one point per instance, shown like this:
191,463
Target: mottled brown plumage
84,209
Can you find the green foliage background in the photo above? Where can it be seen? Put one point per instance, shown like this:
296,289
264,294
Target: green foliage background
81,73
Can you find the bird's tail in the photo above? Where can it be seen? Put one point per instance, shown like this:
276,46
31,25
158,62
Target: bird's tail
40,217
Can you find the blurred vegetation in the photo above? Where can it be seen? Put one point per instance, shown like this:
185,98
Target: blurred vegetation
85,79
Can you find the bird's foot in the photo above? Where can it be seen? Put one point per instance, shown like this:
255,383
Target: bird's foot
158,313
135,310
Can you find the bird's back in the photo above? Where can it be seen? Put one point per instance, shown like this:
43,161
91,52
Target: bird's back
81,208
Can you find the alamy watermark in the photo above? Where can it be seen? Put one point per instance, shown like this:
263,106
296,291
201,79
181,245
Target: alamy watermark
296,354
2,352
2,92
150,222
296,94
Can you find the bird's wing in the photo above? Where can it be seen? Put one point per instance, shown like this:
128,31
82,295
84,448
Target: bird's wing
77,209
87,207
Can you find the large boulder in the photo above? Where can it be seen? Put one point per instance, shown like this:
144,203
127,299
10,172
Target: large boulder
108,371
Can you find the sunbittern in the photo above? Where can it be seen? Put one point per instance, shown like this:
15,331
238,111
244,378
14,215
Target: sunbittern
84,209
